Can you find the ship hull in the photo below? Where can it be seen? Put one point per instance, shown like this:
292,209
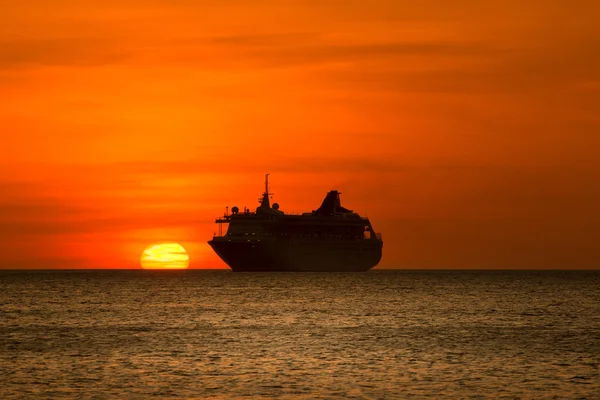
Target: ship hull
326,256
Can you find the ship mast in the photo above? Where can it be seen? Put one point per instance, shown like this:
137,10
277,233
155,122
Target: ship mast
264,203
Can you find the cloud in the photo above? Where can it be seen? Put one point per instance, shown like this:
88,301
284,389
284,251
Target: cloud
44,219
272,164
26,210
73,51
313,47
547,68
294,50
30,261
483,243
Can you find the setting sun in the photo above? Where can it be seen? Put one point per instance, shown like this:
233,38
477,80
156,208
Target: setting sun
165,256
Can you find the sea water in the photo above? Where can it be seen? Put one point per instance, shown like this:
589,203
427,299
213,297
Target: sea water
375,335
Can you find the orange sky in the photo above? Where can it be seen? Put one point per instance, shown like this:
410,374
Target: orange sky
469,132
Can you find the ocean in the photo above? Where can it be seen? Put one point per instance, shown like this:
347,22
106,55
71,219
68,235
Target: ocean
377,335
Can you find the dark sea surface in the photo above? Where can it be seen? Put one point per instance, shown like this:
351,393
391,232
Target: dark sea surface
375,335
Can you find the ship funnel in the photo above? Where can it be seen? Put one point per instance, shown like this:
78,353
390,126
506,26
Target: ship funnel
331,204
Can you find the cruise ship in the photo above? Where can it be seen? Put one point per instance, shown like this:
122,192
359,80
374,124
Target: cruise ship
330,238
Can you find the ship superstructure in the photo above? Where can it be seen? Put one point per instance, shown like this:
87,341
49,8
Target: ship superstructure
330,238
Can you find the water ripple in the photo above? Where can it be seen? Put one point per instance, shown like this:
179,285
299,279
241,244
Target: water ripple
217,335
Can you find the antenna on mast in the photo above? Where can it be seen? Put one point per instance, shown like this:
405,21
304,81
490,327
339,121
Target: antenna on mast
267,184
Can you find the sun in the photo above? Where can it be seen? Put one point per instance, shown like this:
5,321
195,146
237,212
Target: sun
165,256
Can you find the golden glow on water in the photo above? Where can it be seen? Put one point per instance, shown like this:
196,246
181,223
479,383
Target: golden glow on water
376,335
165,256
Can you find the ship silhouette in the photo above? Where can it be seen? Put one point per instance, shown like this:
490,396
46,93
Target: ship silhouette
330,238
